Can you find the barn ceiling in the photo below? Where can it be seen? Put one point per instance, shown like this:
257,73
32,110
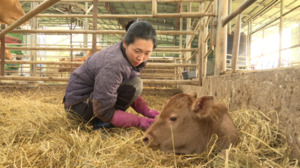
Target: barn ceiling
262,12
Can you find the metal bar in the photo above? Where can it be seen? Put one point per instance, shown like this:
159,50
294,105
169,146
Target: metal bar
29,15
239,10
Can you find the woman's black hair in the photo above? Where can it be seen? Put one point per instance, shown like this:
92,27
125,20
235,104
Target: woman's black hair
140,30
129,24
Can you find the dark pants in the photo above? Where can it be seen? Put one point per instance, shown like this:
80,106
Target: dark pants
127,94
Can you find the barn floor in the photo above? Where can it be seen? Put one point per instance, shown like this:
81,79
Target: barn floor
35,132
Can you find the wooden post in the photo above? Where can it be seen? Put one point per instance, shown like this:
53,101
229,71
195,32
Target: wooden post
85,27
214,25
249,42
2,51
280,33
180,70
188,28
200,47
71,45
201,44
229,11
221,42
205,35
154,7
34,25
95,10
236,43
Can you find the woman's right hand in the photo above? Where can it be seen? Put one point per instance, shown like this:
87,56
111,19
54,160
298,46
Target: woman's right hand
126,120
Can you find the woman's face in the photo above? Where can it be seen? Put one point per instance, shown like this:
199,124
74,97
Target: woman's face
139,51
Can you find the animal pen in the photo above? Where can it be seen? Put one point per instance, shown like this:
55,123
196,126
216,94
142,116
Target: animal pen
209,47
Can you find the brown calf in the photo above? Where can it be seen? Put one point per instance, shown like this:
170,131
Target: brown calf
193,122
67,68
7,55
10,11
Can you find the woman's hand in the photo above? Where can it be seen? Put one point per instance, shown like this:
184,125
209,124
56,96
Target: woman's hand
126,120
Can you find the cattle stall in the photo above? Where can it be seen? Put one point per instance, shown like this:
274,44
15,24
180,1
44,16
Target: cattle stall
243,53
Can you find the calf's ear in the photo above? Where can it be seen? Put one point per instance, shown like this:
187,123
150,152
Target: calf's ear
203,106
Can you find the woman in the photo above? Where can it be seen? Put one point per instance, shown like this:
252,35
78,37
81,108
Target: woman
108,82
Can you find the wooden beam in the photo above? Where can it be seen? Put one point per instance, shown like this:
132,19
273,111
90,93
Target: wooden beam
86,49
120,32
149,65
64,79
239,10
131,16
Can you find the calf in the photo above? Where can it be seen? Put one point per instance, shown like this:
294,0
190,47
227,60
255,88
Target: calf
67,68
10,11
7,55
192,122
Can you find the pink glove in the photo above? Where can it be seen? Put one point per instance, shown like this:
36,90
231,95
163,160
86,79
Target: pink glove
126,120
140,106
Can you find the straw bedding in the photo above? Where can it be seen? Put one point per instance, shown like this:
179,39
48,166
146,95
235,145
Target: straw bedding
35,132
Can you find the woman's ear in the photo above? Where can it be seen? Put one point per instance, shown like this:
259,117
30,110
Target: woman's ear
203,106
124,44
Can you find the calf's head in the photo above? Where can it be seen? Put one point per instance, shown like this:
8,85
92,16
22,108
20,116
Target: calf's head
188,123
11,11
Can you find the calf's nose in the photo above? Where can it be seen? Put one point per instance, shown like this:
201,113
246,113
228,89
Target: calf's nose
146,139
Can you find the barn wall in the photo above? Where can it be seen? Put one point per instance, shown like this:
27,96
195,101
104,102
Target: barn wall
277,89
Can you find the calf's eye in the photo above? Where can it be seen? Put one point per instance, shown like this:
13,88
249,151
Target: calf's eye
173,118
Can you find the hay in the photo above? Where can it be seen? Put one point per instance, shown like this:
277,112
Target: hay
35,132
